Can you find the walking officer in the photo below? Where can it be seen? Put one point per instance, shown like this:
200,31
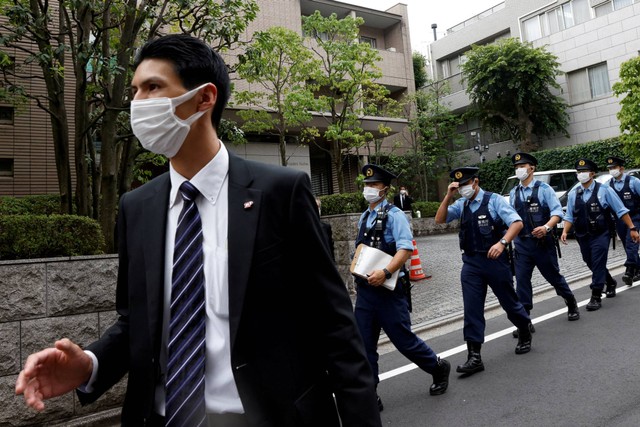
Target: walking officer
484,217
589,209
386,227
535,246
628,189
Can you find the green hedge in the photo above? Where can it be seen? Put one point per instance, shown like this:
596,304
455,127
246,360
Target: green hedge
427,209
30,205
493,174
43,236
336,204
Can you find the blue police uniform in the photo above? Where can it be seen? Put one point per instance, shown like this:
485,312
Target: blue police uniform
589,210
536,203
377,308
478,217
628,190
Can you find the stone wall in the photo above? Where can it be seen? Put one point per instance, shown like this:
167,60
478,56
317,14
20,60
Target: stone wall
44,300
41,301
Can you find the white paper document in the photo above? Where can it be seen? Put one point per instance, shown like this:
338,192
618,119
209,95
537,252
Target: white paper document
368,259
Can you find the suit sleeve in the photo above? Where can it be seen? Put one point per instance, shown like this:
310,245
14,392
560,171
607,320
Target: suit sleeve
350,375
112,349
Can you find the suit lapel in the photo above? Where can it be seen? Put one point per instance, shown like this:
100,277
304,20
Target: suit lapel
244,211
155,222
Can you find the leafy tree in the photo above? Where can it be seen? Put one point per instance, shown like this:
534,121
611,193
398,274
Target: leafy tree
420,69
281,66
629,114
86,47
510,85
347,89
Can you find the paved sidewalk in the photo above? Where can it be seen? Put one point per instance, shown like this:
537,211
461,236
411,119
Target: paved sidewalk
440,298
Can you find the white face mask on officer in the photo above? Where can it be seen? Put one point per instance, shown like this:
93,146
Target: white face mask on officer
467,191
156,125
584,177
372,194
615,172
522,173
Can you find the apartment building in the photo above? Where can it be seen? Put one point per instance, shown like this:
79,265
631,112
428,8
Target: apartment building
591,38
387,31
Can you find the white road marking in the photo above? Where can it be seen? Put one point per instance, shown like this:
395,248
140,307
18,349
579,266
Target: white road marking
461,348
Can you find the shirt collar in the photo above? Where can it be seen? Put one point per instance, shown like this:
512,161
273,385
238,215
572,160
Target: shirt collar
530,186
591,186
380,206
209,180
478,197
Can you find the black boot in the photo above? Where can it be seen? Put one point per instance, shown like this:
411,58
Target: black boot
636,275
595,303
524,341
440,378
474,361
531,329
380,405
627,277
611,287
573,313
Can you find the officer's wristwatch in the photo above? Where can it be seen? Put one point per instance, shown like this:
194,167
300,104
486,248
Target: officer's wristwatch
504,241
633,229
387,274
546,227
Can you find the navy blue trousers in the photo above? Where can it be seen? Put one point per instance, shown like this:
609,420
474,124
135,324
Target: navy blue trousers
379,308
595,251
478,273
530,253
631,248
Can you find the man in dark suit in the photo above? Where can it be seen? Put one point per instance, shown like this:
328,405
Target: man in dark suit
402,199
279,336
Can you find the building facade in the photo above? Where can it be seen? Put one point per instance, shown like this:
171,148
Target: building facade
591,38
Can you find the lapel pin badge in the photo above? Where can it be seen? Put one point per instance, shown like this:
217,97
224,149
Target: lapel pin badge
248,205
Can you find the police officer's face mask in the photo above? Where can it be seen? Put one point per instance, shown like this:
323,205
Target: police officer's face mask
372,194
584,177
156,125
467,191
522,173
615,172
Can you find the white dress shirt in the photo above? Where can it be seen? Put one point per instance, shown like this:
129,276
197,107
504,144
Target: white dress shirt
221,393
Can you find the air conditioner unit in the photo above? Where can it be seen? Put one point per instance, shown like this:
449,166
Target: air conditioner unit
391,49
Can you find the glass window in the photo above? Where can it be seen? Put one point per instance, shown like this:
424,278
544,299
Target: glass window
6,167
617,4
6,115
589,83
603,9
567,15
599,80
532,30
581,11
369,40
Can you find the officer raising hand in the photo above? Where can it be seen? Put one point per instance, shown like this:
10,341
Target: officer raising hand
484,217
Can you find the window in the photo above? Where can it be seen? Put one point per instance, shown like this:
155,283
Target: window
611,5
557,19
589,83
6,115
369,40
6,167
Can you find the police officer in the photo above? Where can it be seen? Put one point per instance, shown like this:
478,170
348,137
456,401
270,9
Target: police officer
386,227
589,209
535,246
484,217
628,189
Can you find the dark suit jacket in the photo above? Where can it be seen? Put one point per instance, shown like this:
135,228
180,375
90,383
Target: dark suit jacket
294,340
407,202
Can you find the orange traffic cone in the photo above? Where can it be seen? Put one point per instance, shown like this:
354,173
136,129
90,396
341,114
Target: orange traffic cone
415,270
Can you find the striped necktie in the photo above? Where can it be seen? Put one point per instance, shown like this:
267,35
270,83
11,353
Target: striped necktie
186,350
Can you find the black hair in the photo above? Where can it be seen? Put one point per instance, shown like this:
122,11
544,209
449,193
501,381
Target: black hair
194,62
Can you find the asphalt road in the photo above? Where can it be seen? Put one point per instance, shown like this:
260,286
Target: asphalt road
582,373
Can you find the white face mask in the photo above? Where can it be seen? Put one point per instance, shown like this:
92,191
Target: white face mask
584,177
156,125
403,192
466,191
522,173
371,194
615,172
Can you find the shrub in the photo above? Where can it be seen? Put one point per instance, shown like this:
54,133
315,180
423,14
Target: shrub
42,236
46,204
427,209
335,204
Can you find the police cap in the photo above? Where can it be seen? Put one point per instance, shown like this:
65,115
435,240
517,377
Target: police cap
522,158
586,165
614,161
462,175
374,173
